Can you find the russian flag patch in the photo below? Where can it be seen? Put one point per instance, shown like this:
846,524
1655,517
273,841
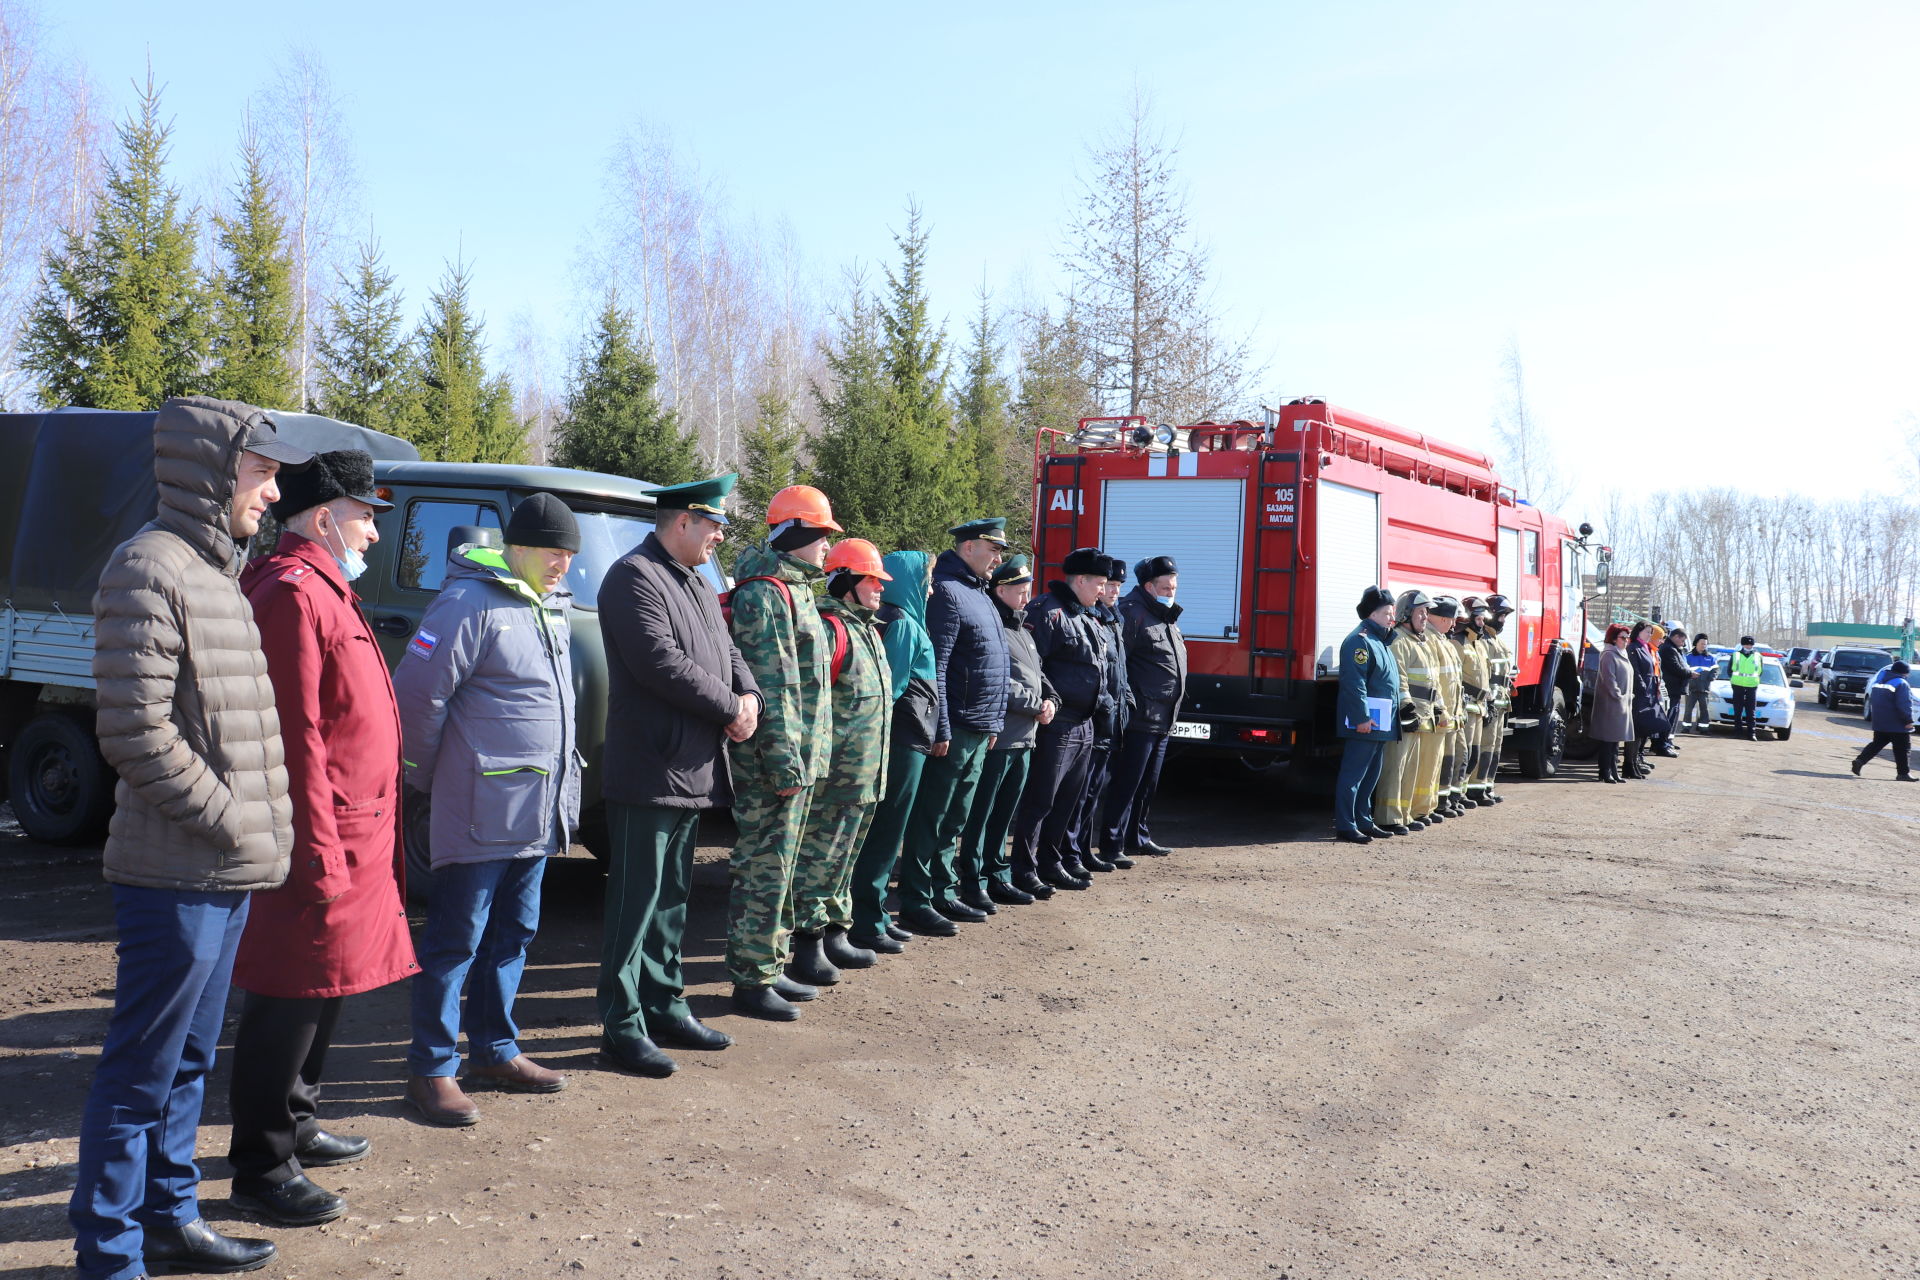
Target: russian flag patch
422,644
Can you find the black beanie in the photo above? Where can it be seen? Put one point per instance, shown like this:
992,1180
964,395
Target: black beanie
797,535
542,520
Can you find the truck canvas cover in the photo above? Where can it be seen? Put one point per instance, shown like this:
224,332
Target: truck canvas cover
80,482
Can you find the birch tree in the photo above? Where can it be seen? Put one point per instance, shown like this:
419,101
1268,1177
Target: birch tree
1528,460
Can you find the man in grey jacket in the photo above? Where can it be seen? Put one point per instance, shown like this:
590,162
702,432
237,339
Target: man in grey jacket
202,818
486,717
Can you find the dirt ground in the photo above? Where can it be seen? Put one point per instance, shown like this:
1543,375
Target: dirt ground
1662,1030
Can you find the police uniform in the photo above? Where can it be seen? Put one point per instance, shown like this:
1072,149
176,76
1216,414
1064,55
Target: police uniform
1368,673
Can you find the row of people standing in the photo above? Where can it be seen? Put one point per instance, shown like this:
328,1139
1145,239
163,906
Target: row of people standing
1425,687
262,794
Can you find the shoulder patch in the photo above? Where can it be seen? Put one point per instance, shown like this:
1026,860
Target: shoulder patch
1360,656
296,573
423,643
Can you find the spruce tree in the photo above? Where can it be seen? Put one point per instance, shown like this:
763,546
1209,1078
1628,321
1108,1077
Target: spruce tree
122,321
367,372
614,420
253,329
884,455
770,460
461,415
987,447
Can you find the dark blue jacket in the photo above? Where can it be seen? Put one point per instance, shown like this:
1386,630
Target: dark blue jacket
1367,670
1070,654
1112,719
969,650
1156,659
1890,700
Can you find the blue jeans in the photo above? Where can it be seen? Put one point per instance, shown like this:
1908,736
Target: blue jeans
1359,772
482,913
137,1132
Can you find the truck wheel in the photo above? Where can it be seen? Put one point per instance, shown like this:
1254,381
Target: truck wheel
415,825
61,787
1821,696
1547,746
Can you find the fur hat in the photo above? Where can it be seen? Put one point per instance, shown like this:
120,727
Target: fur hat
1087,560
1373,598
344,473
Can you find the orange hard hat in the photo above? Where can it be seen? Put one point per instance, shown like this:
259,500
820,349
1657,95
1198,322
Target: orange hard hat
857,555
801,502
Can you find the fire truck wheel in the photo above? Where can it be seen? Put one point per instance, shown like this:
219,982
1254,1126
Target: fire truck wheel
1545,747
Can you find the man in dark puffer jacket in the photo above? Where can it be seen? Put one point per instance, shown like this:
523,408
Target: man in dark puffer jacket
1157,674
202,818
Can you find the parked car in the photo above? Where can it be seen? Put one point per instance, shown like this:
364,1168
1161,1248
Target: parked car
1844,676
1773,706
1797,658
1814,664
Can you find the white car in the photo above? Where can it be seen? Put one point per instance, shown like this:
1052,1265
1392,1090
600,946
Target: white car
1773,707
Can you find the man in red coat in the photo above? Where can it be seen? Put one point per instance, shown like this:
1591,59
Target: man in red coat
338,925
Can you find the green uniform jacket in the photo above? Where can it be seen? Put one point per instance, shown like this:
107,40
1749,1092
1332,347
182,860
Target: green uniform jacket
786,647
862,710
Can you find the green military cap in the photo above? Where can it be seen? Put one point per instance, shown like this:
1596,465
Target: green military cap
702,497
1014,572
990,529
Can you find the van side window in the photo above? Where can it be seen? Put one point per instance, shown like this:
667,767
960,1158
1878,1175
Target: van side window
422,562
1532,540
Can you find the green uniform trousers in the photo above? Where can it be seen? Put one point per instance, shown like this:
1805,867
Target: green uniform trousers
873,868
983,842
760,901
947,784
822,881
649,872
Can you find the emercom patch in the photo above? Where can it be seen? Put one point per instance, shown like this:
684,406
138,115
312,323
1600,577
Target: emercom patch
422,644
1360,657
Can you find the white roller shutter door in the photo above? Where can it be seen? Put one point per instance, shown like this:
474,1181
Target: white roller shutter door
1509,575
1197,522
1347,558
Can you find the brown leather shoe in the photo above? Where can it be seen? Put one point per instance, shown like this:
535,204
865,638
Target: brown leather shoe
439,1101
522,1075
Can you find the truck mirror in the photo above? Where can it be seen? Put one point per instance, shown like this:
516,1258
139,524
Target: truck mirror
1602,567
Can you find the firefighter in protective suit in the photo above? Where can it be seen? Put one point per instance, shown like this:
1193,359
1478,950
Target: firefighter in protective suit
1500,664
1400,798
1475,701
1445,664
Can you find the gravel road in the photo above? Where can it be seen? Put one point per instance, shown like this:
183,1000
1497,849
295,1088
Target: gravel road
1666,1029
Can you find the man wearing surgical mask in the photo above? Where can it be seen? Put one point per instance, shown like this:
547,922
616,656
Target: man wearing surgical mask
337,926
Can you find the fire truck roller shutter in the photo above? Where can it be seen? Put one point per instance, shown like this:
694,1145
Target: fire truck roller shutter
1347,557
1509,574
1197,522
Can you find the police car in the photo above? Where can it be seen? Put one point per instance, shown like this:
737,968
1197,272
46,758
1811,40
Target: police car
1773,706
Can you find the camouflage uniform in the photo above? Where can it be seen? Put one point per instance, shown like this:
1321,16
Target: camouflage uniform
787,648
856,778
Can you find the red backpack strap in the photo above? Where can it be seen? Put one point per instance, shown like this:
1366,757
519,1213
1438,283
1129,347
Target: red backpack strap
841,643
726,600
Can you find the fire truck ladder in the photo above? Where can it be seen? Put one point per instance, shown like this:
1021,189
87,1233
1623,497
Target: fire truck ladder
1051,521
1275,564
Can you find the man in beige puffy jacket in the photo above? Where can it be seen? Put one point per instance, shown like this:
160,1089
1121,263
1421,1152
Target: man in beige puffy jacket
186,717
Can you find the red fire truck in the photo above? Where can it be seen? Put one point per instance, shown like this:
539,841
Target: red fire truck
1279,526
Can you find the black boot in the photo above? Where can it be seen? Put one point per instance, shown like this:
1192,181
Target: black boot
954,909
763,1002
1007,895
199,1249
881,944
296,1202
898,934
799,992
928,921
842,954
980,901
1034,885
1119,860
1059,878
809,963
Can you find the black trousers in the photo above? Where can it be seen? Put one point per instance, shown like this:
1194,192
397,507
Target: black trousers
1054,783
1745,701
1083,833
279,1052
1130,791
1902,744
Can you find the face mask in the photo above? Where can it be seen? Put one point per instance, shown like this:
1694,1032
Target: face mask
352,563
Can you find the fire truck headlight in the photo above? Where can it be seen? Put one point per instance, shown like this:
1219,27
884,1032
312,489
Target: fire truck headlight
1163,434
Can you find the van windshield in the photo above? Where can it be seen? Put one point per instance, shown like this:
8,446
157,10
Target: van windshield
606,536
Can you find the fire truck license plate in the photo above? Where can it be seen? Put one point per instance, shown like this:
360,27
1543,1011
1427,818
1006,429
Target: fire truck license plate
1190,729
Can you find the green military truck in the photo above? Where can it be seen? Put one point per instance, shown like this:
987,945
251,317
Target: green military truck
76,483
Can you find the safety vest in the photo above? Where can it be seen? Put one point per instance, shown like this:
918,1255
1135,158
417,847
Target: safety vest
1744,670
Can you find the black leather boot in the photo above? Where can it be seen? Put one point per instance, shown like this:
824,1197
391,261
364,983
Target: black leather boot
881,944
198,1249
842,954
980,901
1007,895
296,1202
799,992
687,1033
928,921
809,963
763,1002
954,909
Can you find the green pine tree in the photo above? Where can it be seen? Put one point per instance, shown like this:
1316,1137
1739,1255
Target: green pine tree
771,458
122,321
252,339
987,446
884,454
460,414
366,369
614,419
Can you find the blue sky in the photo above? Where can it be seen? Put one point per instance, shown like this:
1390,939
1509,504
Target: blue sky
1698,220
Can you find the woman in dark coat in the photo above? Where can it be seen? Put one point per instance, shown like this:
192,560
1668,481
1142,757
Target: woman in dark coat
1611,721
1648,719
